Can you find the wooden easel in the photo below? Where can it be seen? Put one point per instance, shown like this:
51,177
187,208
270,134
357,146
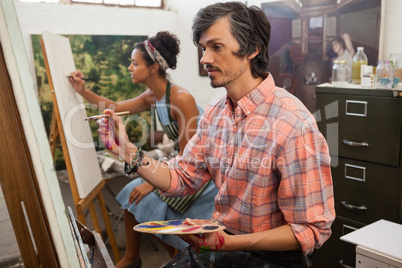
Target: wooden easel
81,204
100,257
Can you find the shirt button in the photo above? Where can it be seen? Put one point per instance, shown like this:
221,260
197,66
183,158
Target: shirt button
234,126
248,112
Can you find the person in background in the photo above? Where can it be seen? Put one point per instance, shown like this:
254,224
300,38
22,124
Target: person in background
259,144
343,48
178,115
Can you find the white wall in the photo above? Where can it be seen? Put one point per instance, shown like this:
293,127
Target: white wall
391,28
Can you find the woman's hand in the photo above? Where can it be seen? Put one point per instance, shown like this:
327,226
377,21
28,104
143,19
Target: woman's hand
77,82
139,192
206,242
112,133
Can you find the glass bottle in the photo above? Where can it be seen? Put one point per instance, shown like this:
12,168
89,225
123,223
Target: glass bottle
340,73
359,59
396,63
397,74
384,74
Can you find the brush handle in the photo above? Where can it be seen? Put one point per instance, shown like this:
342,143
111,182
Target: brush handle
105,115
82,78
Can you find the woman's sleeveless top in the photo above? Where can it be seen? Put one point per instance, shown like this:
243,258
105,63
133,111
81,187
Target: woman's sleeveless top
169,126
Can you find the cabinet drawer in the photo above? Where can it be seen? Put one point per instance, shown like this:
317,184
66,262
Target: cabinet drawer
363,128
335,252
365,192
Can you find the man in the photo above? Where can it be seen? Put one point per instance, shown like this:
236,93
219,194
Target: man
260,146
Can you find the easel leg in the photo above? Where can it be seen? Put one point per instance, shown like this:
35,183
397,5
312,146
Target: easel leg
90,204
108,227
94,217
80,214
54,134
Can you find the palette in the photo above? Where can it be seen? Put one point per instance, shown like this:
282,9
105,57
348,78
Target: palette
178,227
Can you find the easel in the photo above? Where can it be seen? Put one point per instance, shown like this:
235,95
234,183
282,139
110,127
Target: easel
100,256
80,203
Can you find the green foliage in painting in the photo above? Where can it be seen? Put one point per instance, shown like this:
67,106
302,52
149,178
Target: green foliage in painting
104,60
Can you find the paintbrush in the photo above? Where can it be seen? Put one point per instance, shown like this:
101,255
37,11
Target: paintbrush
105,115
82,78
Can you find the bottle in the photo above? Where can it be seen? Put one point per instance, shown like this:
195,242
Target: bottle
367,79
358,59
397,74
384,74
396,63
340,73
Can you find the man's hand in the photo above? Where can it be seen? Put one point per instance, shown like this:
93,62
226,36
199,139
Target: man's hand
112,133
139,192
206,242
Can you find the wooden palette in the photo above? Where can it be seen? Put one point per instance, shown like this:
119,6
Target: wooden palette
178,227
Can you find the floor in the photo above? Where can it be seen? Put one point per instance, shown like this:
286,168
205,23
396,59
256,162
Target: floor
151,251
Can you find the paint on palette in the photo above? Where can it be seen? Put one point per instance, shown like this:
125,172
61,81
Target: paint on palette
179,226
190,229
171,230
210,227
161,224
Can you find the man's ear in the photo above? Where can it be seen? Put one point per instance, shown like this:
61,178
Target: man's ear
255,53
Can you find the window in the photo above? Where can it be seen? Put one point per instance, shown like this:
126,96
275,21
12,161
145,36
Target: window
138,3
38,1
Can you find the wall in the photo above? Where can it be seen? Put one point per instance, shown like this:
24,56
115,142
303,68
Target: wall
391,29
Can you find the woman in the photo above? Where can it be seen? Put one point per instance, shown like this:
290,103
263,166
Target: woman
177,113
343,48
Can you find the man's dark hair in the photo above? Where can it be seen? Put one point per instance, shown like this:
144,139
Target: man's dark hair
249,25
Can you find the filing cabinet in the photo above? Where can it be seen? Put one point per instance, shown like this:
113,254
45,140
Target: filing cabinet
363,131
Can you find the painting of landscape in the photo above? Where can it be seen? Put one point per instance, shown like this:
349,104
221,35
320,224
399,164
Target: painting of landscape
104,60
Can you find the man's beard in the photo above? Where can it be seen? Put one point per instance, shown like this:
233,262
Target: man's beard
216,84
230,78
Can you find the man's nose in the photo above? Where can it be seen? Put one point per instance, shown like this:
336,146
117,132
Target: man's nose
206,57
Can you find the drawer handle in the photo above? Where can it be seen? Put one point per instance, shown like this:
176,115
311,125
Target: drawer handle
344,265
361,172
355,143
353,207
362,105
